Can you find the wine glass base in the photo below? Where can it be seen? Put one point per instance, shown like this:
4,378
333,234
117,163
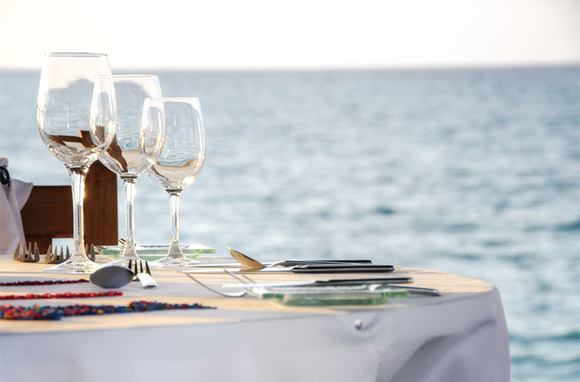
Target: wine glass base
74,267
173,262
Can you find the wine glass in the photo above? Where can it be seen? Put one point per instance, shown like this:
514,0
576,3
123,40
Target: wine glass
136,145
76,115
180,162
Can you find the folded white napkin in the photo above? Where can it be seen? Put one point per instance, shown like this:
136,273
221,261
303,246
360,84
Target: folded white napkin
12,198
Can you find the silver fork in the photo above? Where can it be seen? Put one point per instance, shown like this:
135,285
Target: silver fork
225,294
142,273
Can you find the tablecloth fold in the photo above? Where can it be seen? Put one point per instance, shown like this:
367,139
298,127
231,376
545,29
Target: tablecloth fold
13,196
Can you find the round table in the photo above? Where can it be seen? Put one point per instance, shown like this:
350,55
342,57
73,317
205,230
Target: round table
459,336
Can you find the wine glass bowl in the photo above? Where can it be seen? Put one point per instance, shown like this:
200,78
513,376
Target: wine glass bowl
135,147
76,116
179,164
137,143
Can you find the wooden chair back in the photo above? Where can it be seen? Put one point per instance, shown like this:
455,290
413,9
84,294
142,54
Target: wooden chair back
48,213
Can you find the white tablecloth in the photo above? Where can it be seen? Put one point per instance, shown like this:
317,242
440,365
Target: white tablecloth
460,336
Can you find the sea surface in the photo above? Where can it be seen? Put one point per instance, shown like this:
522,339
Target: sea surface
468,171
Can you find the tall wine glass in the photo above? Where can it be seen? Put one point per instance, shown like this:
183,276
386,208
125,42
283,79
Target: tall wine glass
76,115
136,145
180,162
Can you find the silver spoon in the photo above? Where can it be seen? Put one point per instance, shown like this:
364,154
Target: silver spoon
246,261
112,276
254,265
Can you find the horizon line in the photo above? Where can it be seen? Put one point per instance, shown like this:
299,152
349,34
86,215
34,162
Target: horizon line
337,68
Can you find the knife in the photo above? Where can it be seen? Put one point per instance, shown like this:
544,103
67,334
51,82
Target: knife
310,268
283,263
331,282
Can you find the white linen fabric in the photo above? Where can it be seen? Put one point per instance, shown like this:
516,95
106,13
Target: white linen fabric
12,199
460,336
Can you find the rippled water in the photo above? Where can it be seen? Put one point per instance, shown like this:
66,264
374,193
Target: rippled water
474,172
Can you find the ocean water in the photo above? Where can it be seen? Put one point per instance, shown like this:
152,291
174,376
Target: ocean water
469,171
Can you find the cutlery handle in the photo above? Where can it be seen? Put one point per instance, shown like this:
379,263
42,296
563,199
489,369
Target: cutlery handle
146,280
291,263
340,268
380,280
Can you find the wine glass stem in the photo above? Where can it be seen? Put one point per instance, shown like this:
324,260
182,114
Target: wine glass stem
175,248
78,176
129,188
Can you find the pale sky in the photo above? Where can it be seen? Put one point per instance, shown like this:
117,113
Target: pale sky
258,34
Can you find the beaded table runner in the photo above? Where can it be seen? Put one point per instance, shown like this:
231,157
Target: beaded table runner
34,296
37,312
45,282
